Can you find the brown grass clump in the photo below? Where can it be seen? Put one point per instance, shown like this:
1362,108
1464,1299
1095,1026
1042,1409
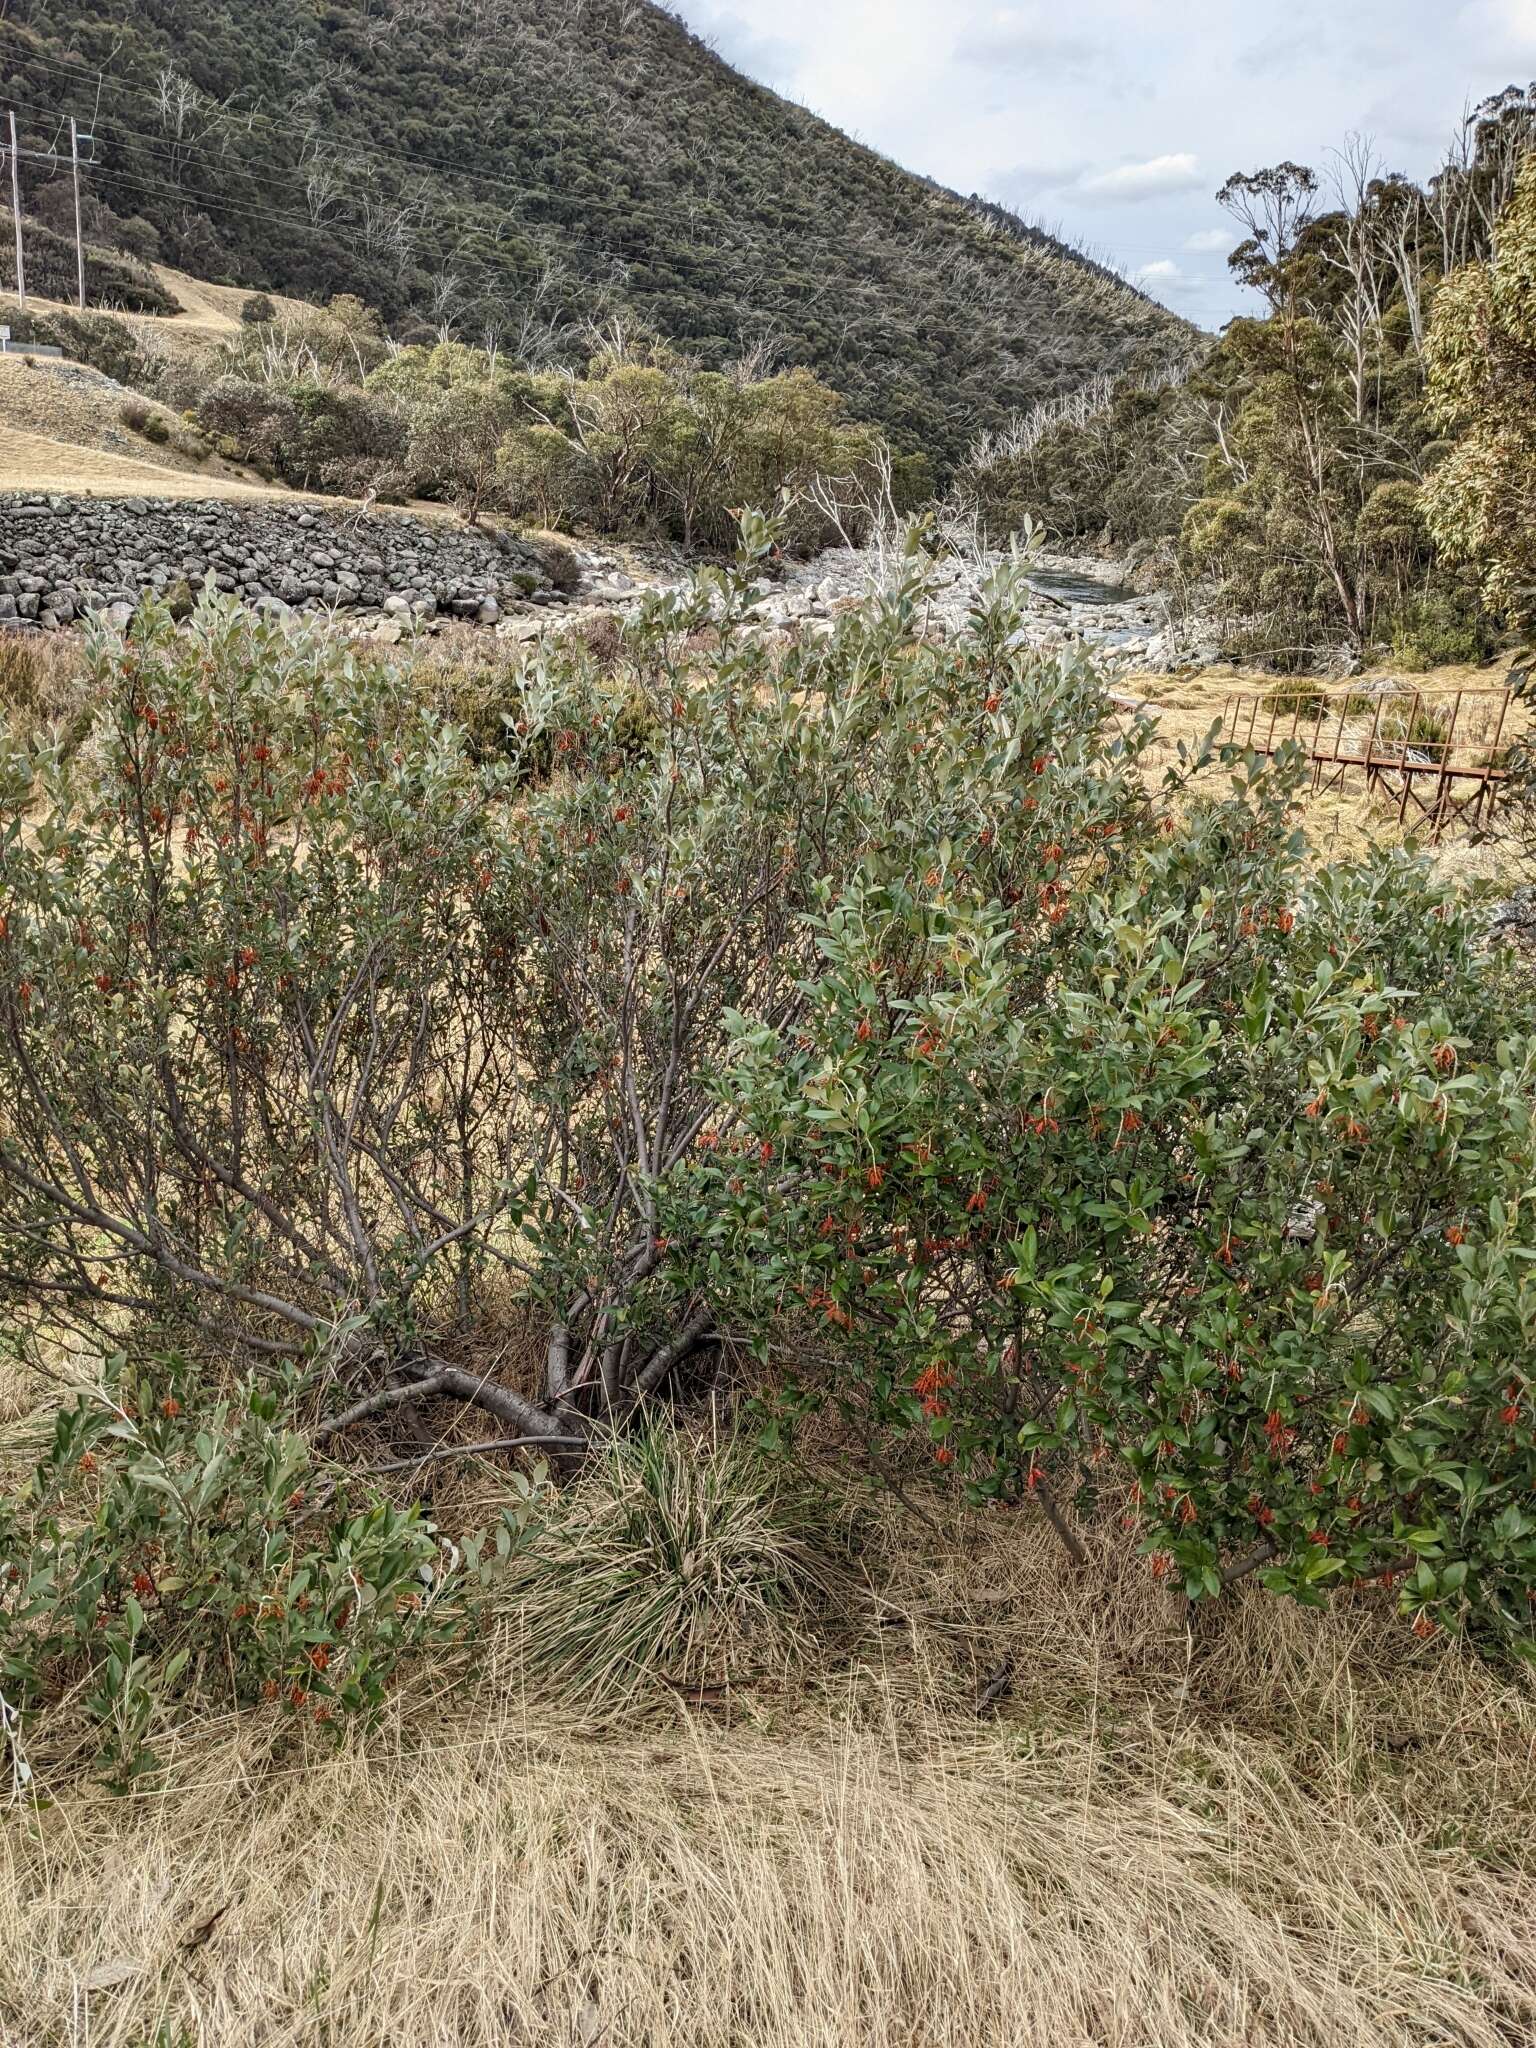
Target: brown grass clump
43,685
1300,1829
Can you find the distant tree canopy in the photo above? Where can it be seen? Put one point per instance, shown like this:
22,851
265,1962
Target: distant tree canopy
1309,461
1482,389
526,169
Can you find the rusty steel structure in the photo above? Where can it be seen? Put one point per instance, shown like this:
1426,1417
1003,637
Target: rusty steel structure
1440,756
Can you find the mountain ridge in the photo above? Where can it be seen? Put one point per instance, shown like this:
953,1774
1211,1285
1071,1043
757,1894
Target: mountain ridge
536,167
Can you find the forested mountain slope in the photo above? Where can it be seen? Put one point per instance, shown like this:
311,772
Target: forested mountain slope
530,165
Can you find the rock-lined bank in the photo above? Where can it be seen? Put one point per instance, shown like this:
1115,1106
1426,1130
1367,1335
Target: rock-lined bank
390,573
61,557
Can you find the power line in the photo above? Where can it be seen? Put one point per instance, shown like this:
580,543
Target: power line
411,158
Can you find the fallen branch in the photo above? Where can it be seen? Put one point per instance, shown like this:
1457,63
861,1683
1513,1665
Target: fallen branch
1240,1567
515,1409
474,1450
375,1404
997,1686
661,1362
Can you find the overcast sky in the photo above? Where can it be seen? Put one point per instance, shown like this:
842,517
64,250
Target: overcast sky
1114,121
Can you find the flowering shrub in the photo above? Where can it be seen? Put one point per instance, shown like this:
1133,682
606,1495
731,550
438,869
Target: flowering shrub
171,1547
1167,1167
873,997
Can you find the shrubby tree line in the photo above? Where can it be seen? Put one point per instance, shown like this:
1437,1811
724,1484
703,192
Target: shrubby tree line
639,438
861,1024
1344,467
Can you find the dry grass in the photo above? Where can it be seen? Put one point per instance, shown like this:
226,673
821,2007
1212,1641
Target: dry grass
1304,1830
68,404
1344,822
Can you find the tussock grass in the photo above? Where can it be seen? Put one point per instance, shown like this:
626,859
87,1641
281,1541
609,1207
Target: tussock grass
675,1559
1300,1829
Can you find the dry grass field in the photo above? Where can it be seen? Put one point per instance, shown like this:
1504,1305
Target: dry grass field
1296,1830
1339,821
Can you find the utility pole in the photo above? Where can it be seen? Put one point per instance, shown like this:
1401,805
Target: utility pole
74,160
21,275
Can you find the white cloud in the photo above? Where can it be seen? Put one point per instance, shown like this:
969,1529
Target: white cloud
1018,37
1155,178
1165,280
993,96
1499,30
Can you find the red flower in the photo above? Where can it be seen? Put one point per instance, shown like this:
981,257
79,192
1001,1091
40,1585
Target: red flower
874,1180
319,1656
143,1583
976,1203
864,1032
944,1455
1509,1416
170,1408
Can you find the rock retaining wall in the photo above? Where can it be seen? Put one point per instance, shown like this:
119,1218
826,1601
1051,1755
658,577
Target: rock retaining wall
60,557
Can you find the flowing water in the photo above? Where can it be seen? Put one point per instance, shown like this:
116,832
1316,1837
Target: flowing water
1072,588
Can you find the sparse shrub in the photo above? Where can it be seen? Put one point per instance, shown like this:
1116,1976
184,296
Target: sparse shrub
603,633
258,310
562,568
134,414
156,428
43,685
1300,694
1416,724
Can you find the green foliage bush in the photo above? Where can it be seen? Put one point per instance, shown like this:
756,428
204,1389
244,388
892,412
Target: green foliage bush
177,1545
643,439
314,435
111,279
1443,627
874,1001
97,339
